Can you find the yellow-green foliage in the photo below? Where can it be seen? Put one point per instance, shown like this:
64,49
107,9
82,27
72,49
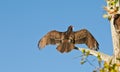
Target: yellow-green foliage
108,67
84,56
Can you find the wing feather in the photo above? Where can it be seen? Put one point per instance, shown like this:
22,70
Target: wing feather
84,36
52,37
80,36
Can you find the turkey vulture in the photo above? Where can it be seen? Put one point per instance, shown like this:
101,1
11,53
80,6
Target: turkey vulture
116,22
66,41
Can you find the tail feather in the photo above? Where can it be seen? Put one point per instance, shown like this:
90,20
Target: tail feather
65,47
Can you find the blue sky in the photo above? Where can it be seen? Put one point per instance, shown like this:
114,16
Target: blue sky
24,22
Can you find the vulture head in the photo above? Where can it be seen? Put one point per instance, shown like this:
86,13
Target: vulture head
65,41
70,29
116,22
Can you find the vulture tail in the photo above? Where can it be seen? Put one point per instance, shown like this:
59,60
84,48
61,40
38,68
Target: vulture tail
65,47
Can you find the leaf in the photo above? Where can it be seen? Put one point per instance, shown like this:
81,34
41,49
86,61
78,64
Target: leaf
106,65
114,66
116,1
112,3
87,53
118,59
99,58
101,70
109,18
82,62
105,16
83,51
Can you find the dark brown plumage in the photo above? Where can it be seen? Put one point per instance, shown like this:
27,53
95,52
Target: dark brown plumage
116,22
66,41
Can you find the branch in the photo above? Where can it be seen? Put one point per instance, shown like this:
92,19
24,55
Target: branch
103,56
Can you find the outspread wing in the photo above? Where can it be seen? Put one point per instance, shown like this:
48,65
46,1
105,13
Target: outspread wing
52,37
80,36
85,37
